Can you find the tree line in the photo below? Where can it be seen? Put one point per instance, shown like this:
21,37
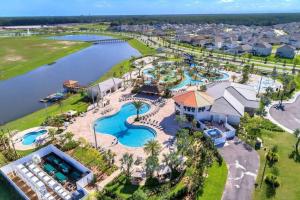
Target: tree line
234,19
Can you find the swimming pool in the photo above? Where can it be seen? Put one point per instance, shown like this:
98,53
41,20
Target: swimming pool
216,135
30,138
127,134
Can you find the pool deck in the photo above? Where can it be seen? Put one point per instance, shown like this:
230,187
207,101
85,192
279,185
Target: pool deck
83,126
18,138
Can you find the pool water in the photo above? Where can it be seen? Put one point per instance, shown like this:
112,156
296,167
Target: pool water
188,80
30,137
214,133
128,135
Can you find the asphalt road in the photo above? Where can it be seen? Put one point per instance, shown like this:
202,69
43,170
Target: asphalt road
243,165
290,116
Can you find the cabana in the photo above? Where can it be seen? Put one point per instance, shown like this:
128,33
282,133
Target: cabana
151,89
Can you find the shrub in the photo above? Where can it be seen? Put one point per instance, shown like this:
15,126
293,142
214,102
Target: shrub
139,195
272,181
203,88
178,194
152,182
72,144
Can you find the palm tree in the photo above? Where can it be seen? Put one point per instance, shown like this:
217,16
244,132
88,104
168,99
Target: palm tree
297,135
271,158
52,134
152,163
172,161
152,147
138,106
180,120
126,163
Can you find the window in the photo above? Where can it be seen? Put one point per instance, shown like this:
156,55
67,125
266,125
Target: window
202,109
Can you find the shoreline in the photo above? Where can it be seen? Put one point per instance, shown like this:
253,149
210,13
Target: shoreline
74,101
27,66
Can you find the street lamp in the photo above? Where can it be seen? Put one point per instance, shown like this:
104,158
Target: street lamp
95,136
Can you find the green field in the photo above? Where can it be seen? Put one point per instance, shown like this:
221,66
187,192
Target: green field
215,183
19,55
289,170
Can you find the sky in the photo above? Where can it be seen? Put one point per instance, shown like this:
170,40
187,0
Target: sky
142,7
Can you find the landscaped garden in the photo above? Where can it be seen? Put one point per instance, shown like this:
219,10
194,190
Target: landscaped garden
279,172
195,170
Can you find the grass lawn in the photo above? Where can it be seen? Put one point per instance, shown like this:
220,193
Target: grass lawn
116,70
90,157
289,170
19,55
215,183
35,119
141,47
122,188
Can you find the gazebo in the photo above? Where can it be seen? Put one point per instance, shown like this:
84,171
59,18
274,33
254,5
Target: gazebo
71,85
151,89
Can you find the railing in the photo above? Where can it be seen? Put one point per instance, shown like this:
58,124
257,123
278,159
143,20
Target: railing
231,133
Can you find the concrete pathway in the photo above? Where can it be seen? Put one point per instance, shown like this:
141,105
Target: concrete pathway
243,165
103,183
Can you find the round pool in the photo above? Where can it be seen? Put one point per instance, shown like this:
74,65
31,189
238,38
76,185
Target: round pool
30,138
127,134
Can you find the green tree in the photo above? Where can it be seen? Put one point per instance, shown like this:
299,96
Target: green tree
172,161
297,135
138,106
183,141
151,165
181,119
139,195
126,163
152,147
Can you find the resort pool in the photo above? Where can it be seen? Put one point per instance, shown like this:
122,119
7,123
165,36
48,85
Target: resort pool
128,135
30,137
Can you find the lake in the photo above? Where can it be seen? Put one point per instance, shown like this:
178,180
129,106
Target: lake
20,95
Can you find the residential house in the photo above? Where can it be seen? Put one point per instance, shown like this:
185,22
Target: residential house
286,51
262,49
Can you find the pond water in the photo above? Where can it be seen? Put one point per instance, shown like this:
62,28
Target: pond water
20,95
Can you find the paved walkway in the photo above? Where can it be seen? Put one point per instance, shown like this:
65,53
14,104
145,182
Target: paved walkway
103,183
289,119
243,165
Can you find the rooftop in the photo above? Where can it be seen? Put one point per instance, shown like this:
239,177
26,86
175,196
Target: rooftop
194,99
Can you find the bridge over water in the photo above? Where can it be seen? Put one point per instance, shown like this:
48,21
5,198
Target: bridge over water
105,41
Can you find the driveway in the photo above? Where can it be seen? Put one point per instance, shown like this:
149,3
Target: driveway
243,164
290,116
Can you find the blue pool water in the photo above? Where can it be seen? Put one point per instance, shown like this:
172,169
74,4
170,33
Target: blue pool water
128,135
214,133
188,80
30,137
